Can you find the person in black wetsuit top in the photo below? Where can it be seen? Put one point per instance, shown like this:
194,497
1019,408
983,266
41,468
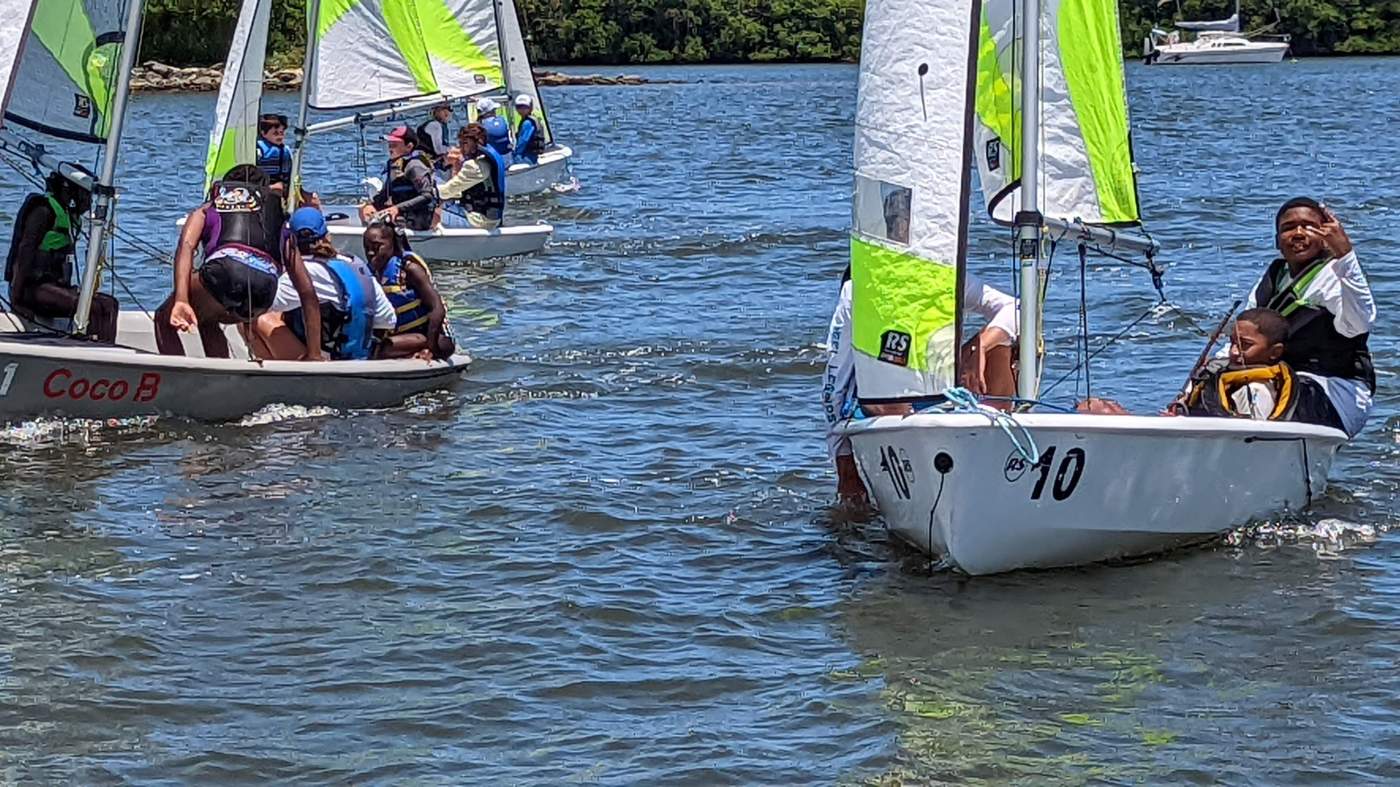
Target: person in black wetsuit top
40,265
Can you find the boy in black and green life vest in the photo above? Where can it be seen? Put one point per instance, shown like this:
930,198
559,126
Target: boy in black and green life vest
40,266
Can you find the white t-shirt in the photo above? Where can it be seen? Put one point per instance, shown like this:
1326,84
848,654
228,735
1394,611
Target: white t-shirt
328,291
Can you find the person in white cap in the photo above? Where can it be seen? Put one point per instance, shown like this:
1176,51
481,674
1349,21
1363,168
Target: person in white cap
529,135
497,130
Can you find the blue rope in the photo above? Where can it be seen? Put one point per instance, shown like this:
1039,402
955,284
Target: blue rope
964,401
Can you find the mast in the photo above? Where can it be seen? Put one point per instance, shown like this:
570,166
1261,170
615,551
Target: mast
313,20
103,190
1028,219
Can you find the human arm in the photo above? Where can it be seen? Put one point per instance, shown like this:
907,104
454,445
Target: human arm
468,176
385,319
1001,313
1347,294
523,137
38,217
310,304
182,316
422,283
839,378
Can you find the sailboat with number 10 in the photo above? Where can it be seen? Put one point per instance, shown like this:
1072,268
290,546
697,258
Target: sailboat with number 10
1042,109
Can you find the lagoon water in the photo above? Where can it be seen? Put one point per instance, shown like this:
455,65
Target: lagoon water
607,558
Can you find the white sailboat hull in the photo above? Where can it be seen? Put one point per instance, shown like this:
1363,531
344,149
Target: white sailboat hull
443,244
45,374
1107,486
1205,52
553,167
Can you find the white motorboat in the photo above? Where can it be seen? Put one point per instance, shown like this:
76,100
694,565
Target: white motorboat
1217,42
43,370
996,492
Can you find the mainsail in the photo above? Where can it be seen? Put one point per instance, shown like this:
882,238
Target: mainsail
370,52
519,76
65,81
234,138
909,211
1086,156
14,22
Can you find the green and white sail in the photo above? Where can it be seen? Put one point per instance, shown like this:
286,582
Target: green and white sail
14,22
372,52
1086,154
234,138
519,76
909,211
65,81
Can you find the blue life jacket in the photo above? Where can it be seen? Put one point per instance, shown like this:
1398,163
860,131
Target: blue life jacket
497,134
275,161
533,140
356,338
408,304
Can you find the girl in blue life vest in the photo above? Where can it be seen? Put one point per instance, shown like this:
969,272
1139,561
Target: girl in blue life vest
421,329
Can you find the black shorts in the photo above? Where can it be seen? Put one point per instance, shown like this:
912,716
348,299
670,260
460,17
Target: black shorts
1313,406
246,292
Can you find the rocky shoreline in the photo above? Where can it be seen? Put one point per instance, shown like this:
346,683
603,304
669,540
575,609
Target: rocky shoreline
152,76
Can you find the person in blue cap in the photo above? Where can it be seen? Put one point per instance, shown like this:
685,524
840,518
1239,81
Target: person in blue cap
353,307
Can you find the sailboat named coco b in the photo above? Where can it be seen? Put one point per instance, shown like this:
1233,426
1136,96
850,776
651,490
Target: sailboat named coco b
82,52
1041,107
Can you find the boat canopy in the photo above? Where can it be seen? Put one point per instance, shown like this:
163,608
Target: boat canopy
1231,25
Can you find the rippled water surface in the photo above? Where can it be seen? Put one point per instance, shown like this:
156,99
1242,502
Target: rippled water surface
607,558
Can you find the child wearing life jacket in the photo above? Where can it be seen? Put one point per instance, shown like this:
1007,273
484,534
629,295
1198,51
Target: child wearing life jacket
421,328
1252,382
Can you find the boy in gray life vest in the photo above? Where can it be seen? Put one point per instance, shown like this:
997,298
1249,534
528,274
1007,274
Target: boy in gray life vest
40,265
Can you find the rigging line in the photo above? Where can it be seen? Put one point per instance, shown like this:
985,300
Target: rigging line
1150,310
1084,318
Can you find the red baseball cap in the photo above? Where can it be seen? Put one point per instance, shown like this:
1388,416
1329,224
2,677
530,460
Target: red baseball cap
399,134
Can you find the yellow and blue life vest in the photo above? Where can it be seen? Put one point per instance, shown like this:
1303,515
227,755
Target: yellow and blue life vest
408,305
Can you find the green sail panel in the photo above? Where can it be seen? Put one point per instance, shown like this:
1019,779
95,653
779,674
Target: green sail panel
64,82
380,51
909,209
234,138
1085,150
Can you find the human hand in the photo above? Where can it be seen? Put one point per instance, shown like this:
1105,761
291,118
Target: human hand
312,354
182,317
1331,235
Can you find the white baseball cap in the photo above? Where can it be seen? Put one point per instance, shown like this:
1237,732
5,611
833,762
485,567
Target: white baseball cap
524,100
484,105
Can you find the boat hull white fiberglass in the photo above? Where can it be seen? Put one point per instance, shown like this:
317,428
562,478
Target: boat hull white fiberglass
1198,53
1105,487
442,244
47,374
553,167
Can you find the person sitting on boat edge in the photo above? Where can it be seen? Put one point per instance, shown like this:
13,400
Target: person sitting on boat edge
409,191
351,305
1319,287
420,328
478,186
40,265
529,133
497,129
274,157
986,361
432,134
240,229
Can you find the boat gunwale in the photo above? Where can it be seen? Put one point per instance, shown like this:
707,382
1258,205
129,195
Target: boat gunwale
1138,425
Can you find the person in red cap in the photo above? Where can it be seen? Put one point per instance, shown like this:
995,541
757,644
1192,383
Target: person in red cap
409,193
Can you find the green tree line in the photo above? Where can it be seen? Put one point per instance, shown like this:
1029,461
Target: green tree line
197,32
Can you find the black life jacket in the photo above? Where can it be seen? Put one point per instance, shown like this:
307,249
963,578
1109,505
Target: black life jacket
425,140
53,260
489,196
244,215
1212,389
1314,344
399,188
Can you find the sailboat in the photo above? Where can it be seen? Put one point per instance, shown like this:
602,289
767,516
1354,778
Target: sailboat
83,52
1041,106
1217,42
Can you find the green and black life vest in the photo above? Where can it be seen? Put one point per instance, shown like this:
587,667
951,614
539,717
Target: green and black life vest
53,261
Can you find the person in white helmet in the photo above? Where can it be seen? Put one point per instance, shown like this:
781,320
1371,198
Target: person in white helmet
530,133
497,129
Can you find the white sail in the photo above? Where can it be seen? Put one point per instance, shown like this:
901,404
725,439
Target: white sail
909,212
234,138
519,76
65,83
372,52
14,21
1086,155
